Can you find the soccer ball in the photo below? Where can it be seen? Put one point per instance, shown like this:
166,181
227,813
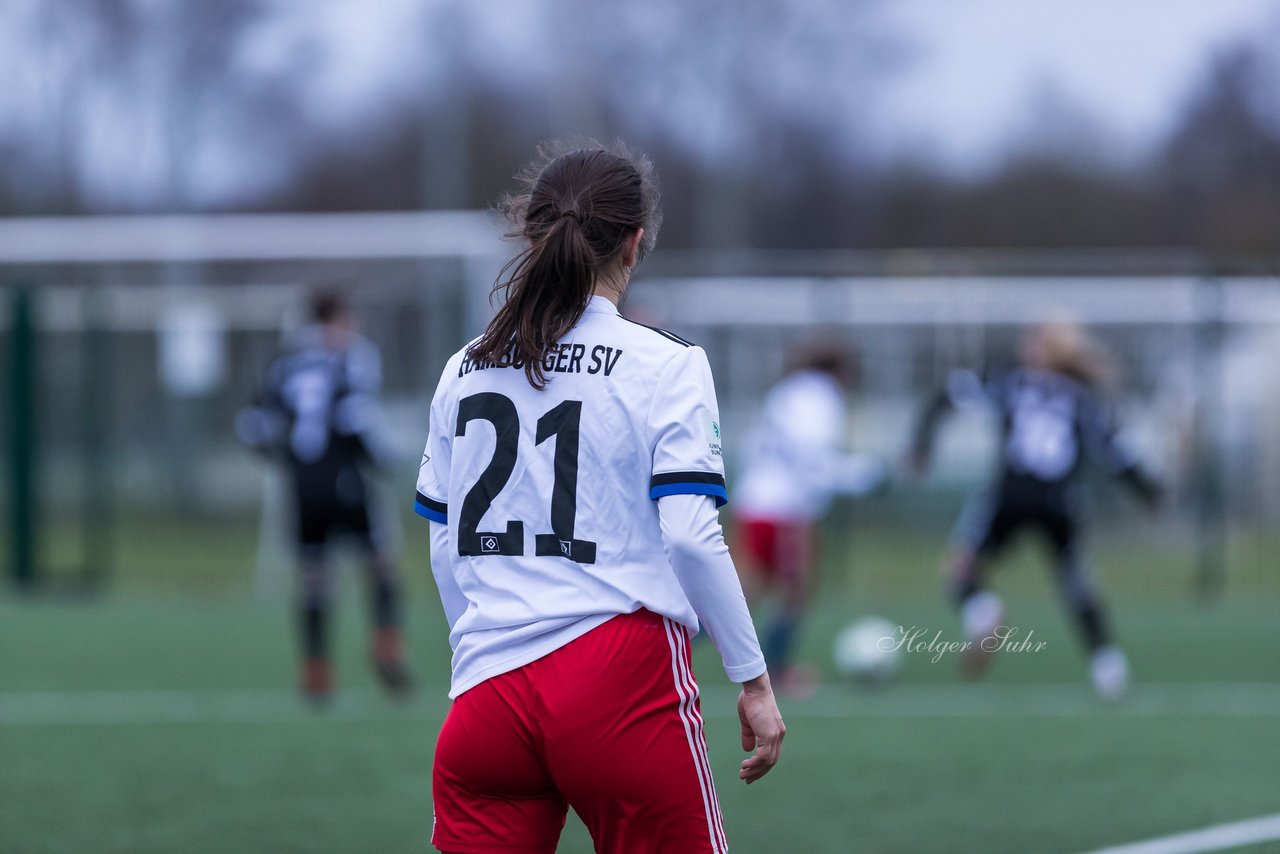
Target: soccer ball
866,650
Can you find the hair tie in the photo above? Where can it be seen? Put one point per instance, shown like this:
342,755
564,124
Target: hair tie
570,213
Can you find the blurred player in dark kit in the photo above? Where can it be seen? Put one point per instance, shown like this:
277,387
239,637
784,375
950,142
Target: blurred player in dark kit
316,412
793,465
1052,419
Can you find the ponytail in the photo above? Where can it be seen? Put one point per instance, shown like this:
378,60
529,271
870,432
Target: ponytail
580,208
547,291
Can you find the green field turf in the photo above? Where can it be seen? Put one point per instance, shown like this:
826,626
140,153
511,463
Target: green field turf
160,717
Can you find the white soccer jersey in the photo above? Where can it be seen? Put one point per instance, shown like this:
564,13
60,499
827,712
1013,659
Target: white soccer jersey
793,462
548,495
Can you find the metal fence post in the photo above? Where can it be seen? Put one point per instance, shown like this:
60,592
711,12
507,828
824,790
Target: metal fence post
23,510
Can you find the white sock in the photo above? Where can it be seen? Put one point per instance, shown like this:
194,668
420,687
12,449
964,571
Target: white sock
1110,672
981,614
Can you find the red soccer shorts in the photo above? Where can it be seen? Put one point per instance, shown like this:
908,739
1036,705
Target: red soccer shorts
775,547
609,724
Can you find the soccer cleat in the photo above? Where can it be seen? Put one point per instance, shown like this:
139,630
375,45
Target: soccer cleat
1109,670
317,680
981,615
388,661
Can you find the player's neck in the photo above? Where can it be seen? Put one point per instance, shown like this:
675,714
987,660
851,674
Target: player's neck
610,291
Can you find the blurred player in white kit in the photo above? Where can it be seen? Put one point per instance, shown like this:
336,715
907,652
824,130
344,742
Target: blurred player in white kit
794,464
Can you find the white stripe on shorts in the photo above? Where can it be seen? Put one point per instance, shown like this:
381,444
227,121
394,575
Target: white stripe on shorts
693,730
700,735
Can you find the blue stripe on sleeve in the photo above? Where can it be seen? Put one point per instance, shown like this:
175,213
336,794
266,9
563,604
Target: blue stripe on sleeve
430,513
715,490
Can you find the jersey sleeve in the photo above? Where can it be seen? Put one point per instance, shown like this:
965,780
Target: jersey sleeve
700,559
684,423
966,390
1103,441
263,424
364,368
1101,434
431,500
356,410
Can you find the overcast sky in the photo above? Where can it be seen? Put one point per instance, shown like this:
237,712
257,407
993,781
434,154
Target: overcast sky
957,86
974,67
980,63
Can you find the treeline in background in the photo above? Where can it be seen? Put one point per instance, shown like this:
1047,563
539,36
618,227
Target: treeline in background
763,120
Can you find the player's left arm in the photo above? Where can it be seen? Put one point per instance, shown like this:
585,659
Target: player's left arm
356,413
819,435
861,474
700,559
261,425
963,389
1104,442
688,484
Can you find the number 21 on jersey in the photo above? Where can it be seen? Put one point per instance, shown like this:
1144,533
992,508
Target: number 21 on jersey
561,422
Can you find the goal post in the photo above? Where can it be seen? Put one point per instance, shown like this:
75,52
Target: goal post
23,507
90,341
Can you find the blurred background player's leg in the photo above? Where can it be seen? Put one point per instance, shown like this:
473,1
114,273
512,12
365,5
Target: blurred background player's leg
981,610
1108,667
315,522
383,581
314,596
982,529
793,555
768,554
388,642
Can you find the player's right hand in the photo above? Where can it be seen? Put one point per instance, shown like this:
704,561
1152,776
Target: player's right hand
762,728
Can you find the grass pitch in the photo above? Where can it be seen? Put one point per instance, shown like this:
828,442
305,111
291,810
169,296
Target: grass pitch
160,717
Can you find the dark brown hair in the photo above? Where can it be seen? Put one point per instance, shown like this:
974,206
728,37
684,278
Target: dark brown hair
327,305
840,358
580,204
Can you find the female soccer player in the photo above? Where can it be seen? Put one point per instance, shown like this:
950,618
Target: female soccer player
315,410
572,475
1051,419
793,466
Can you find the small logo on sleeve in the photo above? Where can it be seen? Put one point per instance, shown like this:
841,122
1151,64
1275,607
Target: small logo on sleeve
713,435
